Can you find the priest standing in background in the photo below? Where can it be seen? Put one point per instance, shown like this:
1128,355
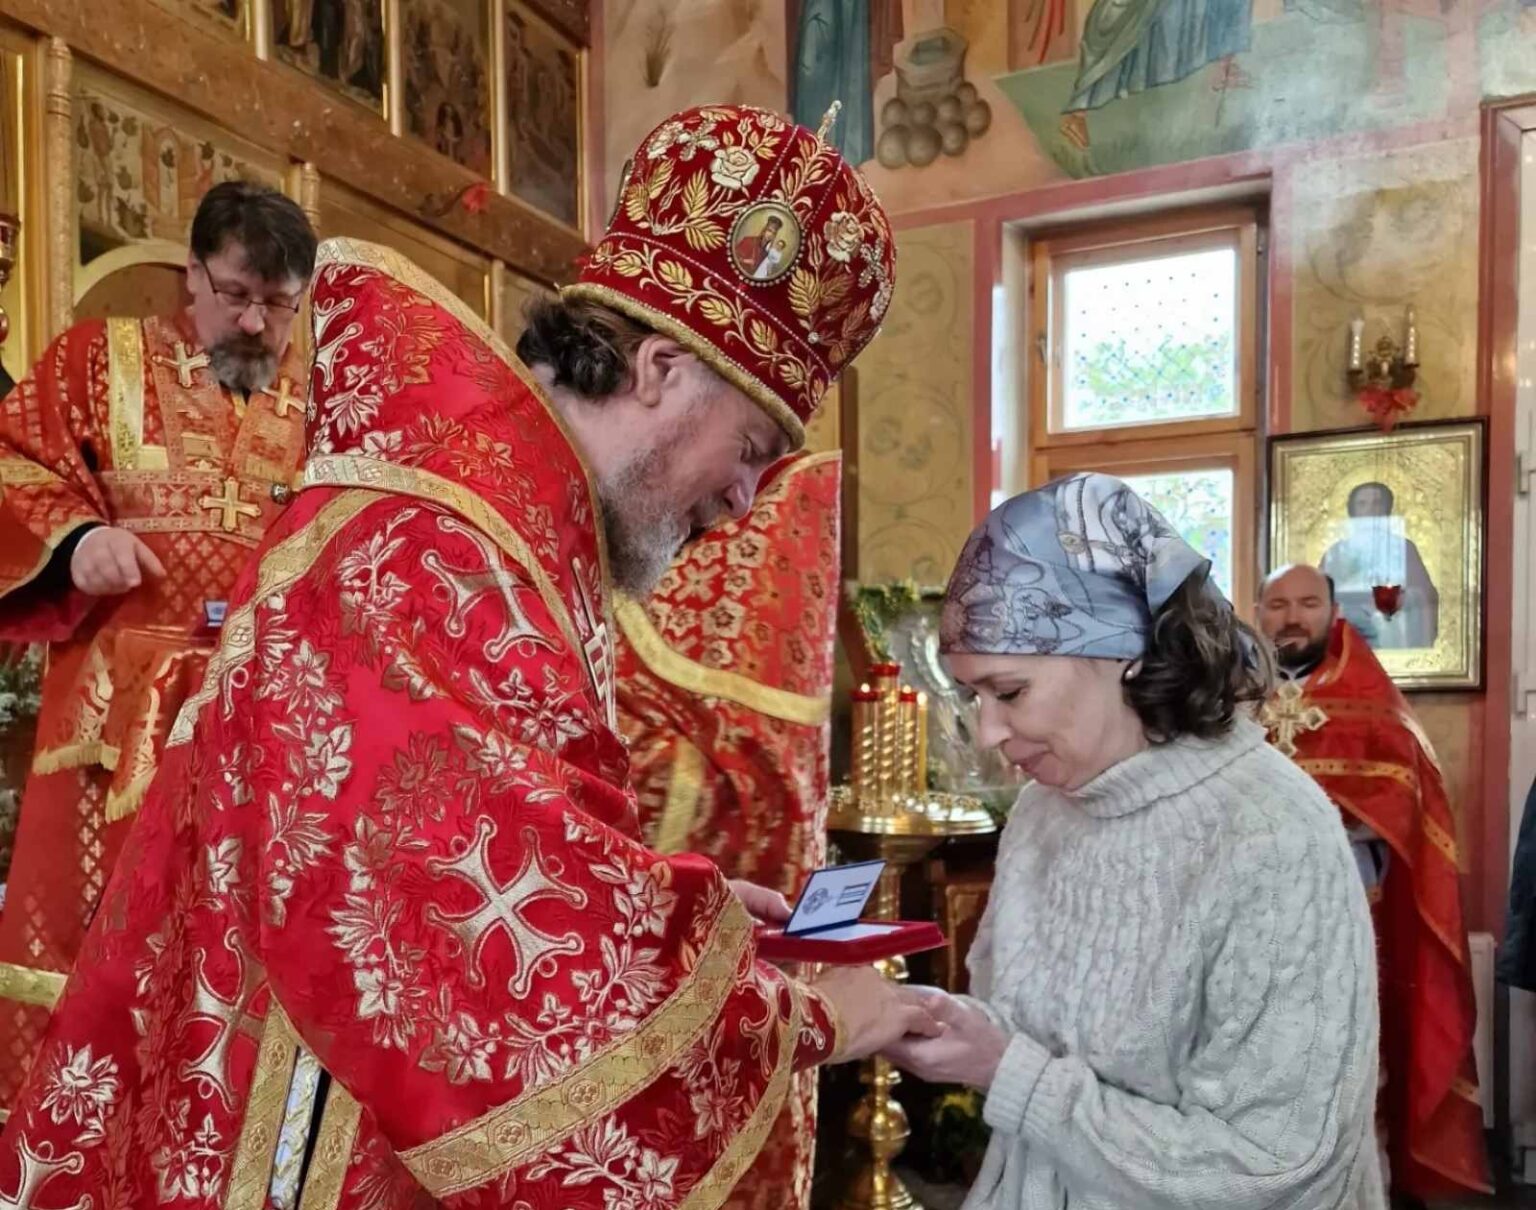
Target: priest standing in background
385,934
1338,715
724,685
140,461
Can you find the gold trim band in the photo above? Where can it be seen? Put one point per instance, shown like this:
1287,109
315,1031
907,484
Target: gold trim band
682,805
125,391
333,1149
30,985
250,1173
1329,767
514,1132
688,674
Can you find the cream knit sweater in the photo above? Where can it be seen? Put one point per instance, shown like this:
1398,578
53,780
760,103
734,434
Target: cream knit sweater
1182,953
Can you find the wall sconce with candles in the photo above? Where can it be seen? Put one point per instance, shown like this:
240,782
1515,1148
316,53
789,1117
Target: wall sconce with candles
1383,381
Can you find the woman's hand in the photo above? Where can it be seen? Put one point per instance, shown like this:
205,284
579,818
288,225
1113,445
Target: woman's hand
966,1052
872,1011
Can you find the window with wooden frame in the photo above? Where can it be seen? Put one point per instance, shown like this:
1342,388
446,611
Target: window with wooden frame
1145,366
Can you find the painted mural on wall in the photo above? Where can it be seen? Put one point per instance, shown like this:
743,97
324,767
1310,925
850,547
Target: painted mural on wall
544,115
970,99
139,175
445,50
660,56
340,42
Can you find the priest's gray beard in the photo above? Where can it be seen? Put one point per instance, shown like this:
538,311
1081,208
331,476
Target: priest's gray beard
642,527
243,363
644,524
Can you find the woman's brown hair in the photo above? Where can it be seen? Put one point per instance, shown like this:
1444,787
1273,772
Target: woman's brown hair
1201,662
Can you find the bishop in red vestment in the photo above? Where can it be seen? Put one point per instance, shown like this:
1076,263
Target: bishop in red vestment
725,681
1338,715
384,934
141,460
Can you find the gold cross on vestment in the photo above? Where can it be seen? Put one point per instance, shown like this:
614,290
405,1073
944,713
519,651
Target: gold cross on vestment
37,1169
467,586
230,505
502,908
283,399
1286,714
228,1014
184,363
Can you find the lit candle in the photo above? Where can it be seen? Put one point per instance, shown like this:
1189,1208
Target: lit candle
1411,342
864,756
1356,343
887,746
908,740
922,743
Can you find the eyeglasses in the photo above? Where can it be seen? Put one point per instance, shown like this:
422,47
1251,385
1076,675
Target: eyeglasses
238,300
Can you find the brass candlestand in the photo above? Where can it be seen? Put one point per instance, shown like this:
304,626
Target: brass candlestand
887,813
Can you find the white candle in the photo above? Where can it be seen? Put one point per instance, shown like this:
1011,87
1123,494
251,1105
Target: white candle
1356,337
1411,342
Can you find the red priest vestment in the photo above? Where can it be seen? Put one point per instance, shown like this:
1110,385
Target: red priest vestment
725,676
121,423
1352,730
392,841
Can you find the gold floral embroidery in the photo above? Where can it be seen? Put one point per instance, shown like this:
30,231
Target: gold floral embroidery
80,1089
352,471
390,263
717,1184
513,1133
281,566
678,670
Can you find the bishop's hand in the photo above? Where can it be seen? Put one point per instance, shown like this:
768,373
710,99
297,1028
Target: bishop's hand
768,907
873,1013
966,1051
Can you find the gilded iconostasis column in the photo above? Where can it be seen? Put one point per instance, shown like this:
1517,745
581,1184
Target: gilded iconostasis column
58,217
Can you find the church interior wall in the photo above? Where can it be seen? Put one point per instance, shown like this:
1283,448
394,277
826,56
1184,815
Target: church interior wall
1356,122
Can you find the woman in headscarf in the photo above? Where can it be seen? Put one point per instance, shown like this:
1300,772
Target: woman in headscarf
1175,984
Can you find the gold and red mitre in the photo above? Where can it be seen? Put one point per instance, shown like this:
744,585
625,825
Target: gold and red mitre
751,241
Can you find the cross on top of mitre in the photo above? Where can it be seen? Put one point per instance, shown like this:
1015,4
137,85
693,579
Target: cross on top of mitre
828,120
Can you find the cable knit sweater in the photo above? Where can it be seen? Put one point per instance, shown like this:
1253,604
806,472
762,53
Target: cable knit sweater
1182,954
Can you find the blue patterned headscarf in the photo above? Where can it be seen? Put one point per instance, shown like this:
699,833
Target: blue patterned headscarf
1078,567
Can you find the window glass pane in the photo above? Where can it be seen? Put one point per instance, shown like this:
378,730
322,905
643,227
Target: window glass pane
1150,340
1199,505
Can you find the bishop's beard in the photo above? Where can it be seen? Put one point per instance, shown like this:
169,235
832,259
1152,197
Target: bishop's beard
641,527
243,364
